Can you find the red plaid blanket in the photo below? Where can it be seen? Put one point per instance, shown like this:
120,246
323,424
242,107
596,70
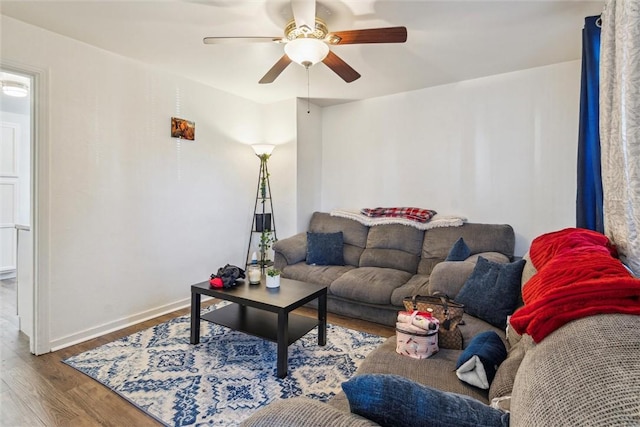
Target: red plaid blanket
414,214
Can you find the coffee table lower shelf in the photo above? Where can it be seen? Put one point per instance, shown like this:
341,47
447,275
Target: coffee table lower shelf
260,323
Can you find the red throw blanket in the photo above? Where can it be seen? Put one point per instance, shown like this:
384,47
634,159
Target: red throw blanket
570,269
582,299
545,247
577,277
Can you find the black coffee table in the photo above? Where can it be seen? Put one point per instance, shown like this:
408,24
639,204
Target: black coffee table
264,312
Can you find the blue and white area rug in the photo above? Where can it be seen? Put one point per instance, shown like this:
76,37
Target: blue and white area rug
226,377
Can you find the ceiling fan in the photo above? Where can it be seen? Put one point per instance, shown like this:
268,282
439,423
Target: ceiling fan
307,41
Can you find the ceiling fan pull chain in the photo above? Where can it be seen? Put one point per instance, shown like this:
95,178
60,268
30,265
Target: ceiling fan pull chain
308,91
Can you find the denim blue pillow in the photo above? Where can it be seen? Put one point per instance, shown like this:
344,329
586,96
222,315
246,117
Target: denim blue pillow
492,291
478,363
325,248
392,400
459,251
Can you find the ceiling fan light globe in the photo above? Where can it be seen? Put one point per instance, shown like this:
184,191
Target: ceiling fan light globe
306,51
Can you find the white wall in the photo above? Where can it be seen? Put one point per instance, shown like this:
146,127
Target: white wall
280,130
500,149
136,216
309,178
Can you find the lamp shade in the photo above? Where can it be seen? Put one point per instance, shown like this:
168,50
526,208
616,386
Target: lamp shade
306,51
16,89
262,149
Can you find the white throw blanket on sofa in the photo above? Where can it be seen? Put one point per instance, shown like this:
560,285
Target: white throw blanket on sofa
435,222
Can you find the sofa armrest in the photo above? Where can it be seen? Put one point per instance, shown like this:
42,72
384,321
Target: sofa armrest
448,277
290,251
602,353
304,412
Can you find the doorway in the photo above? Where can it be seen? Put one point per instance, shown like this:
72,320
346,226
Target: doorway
16,195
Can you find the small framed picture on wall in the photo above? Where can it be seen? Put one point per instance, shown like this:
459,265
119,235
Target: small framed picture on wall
183,129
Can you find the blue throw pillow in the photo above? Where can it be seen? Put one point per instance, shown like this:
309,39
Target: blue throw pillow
392,400
325,248
478,363
459,251
492,291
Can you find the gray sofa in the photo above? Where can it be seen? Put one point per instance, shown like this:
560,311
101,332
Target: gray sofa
585,373
386,263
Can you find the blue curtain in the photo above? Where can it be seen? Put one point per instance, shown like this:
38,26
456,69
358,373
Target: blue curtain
589,198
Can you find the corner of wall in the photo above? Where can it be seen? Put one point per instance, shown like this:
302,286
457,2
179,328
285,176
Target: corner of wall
309,160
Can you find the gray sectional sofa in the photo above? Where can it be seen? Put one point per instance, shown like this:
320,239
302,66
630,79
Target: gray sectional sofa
386,263
584,373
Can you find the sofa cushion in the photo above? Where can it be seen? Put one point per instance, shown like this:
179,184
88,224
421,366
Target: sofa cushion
392,400
320,274
354,234
417,285
473,326
393,246
371,285
325,248
491,292
389,258
437,371
478,237
395,236
459,251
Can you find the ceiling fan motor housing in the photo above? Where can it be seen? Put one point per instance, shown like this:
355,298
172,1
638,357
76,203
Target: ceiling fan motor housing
292,32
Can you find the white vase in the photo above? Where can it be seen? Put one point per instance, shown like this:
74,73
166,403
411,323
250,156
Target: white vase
273,281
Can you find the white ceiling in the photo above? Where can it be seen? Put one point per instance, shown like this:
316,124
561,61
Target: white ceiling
448,41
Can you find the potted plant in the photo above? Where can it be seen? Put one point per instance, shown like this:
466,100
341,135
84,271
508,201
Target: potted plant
267,239
273,278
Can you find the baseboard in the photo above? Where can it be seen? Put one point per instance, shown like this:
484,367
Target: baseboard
116,325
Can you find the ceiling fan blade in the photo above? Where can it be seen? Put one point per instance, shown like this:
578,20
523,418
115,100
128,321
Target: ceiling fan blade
371,35
340,67
227,40
275,71
304,13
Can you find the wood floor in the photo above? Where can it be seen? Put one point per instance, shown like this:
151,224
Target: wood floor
43,391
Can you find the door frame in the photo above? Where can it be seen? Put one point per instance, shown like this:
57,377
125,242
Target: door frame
40,342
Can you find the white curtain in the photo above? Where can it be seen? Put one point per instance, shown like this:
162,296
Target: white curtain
620,126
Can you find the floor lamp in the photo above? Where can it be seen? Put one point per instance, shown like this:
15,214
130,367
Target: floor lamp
263,229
